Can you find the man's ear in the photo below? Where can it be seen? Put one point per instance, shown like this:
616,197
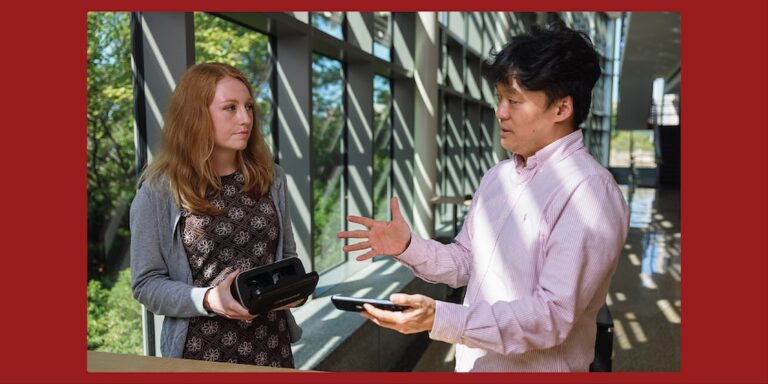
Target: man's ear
564,109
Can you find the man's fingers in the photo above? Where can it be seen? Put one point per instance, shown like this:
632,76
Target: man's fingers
356,234
366,256
361,220
394,205
381,315
404,299
356,246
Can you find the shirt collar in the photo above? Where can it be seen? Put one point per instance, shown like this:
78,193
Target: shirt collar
551,153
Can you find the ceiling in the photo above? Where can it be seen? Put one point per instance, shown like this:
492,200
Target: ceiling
652,50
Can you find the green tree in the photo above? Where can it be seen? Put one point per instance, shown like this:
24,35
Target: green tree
327,145
114,317
110,142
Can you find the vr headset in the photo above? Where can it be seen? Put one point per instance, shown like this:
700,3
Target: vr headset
271,286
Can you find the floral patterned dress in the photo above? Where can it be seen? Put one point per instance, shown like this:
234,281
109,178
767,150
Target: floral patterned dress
245,236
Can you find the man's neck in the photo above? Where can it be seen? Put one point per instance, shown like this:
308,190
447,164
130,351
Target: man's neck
556,135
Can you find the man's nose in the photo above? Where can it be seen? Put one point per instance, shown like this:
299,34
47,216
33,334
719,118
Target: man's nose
502,113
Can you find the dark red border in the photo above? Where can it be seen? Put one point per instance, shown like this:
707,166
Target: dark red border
723,190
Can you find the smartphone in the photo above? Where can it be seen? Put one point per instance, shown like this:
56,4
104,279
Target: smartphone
355,304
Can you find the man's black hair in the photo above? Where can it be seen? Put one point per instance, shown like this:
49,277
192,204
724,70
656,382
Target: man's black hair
555,59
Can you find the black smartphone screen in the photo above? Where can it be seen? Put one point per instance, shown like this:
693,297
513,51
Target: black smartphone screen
355,304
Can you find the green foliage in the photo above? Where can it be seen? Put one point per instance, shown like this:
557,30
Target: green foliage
110,140
114,317
641,146
327,173
641,140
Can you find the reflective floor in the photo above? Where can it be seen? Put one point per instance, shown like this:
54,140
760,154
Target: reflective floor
645,292
644,298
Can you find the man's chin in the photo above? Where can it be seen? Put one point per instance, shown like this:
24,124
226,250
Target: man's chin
509,147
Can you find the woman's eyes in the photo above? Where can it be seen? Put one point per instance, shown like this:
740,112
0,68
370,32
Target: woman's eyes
232,107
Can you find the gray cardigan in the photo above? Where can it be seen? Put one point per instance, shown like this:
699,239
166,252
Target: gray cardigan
162,279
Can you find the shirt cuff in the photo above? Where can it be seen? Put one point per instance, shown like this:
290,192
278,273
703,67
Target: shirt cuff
449,322
198,295
415,253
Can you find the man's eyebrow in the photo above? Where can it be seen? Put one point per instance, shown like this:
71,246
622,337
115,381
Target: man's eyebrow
506,89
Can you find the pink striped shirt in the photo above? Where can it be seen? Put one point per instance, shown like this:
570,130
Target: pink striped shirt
537,251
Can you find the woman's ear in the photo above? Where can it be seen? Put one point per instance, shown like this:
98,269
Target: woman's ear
564,109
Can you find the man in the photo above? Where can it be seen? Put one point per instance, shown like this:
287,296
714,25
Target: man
542,237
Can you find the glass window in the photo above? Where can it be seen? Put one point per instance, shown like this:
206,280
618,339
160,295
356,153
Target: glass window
114,317
382,144
633,145
442,18
382,35
327,140
669,114
330,23
222,41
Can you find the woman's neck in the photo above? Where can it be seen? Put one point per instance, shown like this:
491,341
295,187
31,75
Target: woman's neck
224,163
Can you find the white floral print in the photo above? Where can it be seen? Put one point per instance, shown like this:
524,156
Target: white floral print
226,254
243,264
261,358
272,342
266,208
241,238
259,248
258,222
189,237
229,190
236,213
199,221
229,339
223,229
196,261
210,270
210,327
211,354
247,201
194,344
205,246
261,332
245,348
239,177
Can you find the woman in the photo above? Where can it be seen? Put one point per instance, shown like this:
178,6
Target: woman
212,203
